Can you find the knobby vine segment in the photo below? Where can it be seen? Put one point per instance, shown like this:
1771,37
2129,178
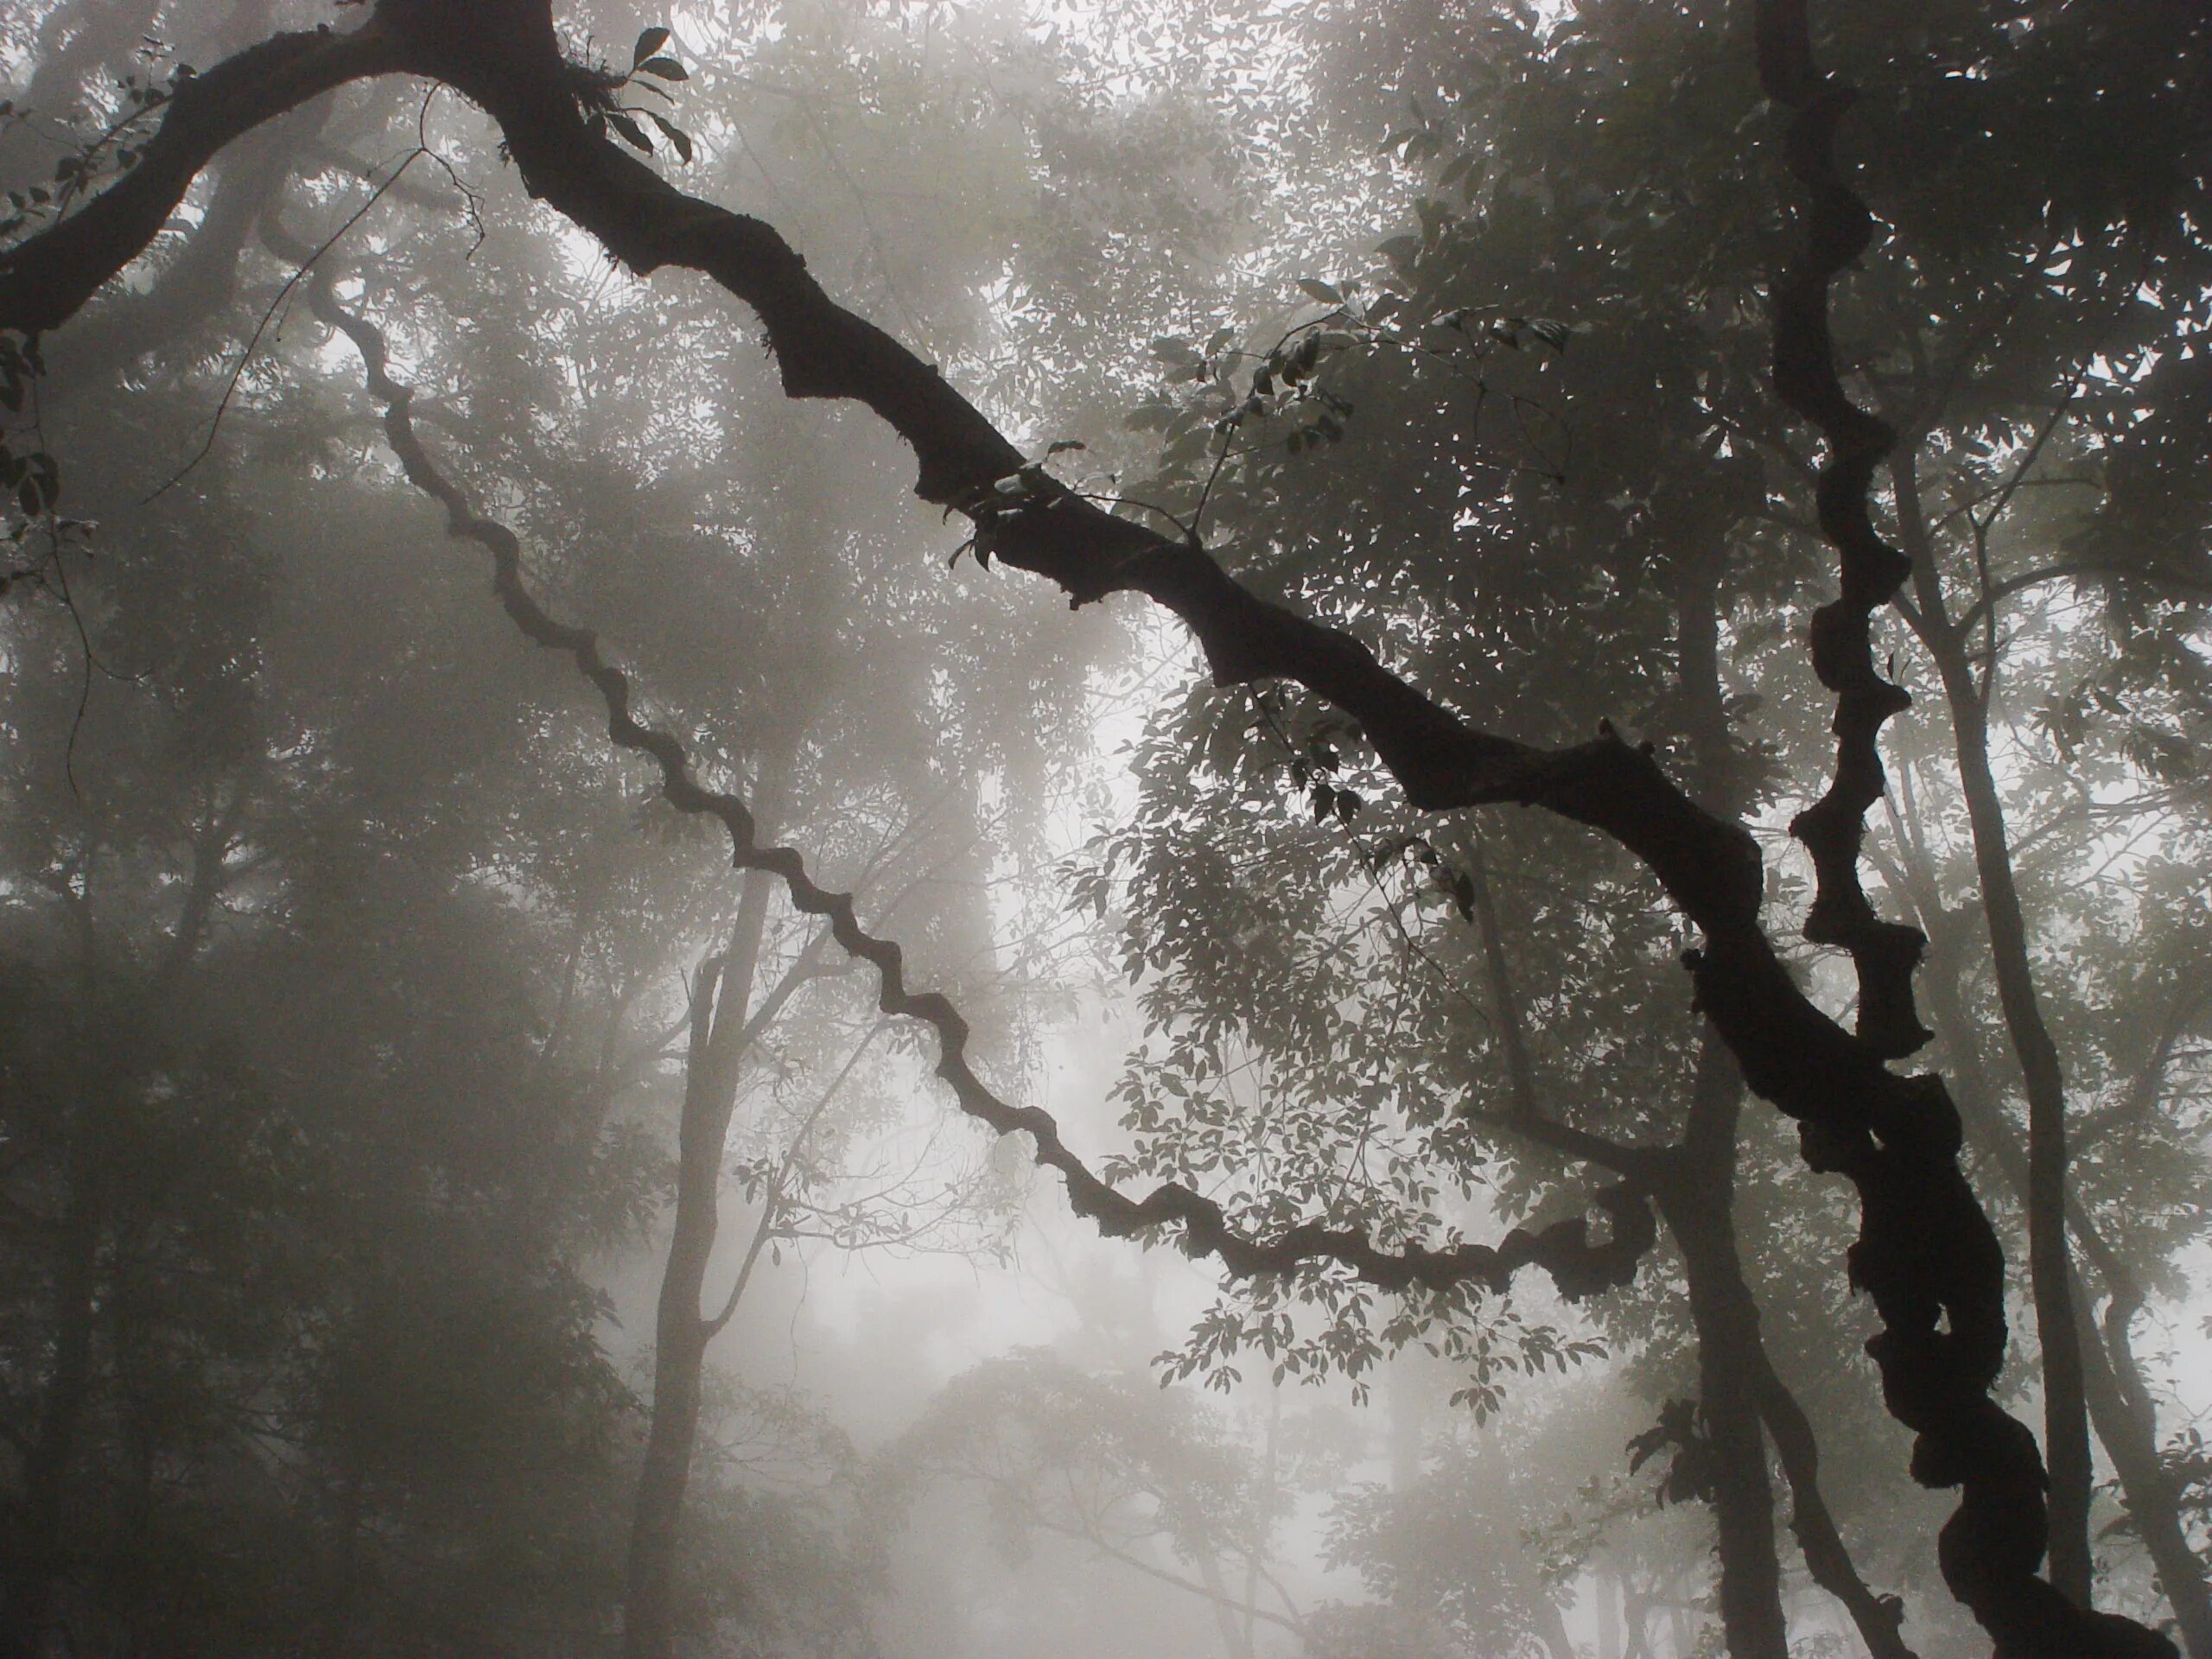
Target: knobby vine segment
1578,1265
1920,1219
1927,1254
1838,227
44,282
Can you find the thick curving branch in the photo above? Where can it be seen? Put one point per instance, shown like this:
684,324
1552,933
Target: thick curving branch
47,279
1577,1264
1792,1053
1926,1254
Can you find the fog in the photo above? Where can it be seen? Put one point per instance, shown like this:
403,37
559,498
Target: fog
1247,829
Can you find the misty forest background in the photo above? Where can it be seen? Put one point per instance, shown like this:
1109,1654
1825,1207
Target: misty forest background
445,1209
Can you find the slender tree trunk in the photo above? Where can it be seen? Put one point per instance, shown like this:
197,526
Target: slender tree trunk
681,1329
2066,1421
2127,1423
1551,1628
1236,1642
2066,1424
1271,1483
1880,1619
1608,1615
2118,1405
38,1549
1697,1198
1696,1189
1408,1425
1695,1195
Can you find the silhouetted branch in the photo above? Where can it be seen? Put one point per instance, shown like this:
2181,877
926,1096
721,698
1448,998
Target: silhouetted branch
45,280
2186,587
1838,228
1880,1619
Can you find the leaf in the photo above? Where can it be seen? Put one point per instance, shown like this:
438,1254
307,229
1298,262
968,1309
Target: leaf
665,68
1400,250
1553,334
632,132
648,43
1324,292
678,140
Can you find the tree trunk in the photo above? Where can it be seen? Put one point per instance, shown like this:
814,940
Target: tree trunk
2127,1423
38,1549
1235,1637
1552,1628
1699,1195
1697,1198
1695,1194
2066,1421
680,1328
1608,1615
2118,1406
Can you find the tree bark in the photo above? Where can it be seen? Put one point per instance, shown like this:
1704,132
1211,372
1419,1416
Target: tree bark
1697,1196
39,1549
2120,1407
681,1327
1696,1182
2066,1421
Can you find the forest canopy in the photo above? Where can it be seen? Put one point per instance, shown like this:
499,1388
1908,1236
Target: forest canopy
1509,698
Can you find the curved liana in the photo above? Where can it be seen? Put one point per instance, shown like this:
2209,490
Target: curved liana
1838,228
1578,1265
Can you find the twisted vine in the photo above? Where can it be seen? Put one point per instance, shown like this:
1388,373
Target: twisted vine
1577,1264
